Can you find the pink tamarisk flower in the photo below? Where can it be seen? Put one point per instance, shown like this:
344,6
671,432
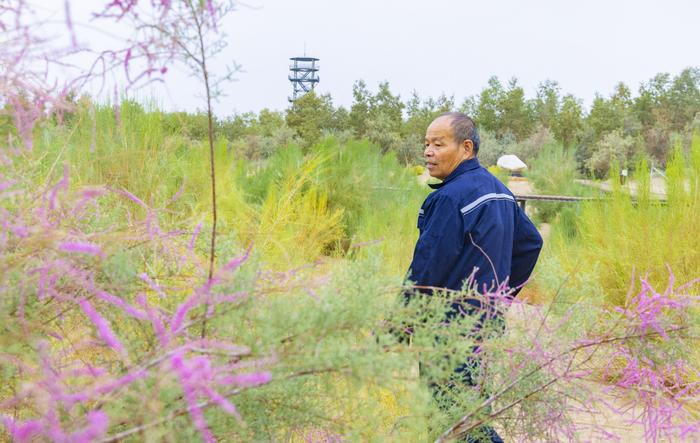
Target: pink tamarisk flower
155,287
187,374
6,184
132,197
648,306
102,326
26,114
23,431
155,320
62,184
221,401
98,423
238,261
88,195
181,312
250,379
121,304
178,194
120,382
81,248
195,234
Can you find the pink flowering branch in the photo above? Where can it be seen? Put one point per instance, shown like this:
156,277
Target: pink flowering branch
61,263
181,31
103,327
662,388
62,280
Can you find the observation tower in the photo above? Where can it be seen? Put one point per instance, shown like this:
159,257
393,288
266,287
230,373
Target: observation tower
303,73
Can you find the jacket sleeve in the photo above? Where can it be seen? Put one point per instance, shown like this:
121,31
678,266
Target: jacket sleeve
439,246
527,244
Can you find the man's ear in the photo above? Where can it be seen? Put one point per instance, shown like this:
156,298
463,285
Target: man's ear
468,147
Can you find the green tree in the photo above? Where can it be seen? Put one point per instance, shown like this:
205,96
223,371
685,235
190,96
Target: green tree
684,98
470,107
605,117
568,121
341,120
388,105
547,102
309,115
613,148
488,111
420,113
653,103
384,118
505,111
359,111
517,114
237,126
269,121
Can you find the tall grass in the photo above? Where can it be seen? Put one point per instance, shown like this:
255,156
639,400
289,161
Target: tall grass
380,199
554,172
623,236
293,208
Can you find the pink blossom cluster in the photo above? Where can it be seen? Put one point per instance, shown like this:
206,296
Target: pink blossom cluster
61,261
656,380
65,276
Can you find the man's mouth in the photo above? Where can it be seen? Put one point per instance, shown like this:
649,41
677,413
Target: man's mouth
430,165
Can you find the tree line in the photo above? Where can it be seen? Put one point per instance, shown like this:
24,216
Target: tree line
617,129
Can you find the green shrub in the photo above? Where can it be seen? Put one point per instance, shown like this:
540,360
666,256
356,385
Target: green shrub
553,172
624,236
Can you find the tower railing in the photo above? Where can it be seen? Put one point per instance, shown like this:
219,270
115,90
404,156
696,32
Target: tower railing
303,75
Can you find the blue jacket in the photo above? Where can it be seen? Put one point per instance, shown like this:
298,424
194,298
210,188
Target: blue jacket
471,224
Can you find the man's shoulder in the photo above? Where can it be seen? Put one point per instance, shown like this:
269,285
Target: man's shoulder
466,191
443,197
475,184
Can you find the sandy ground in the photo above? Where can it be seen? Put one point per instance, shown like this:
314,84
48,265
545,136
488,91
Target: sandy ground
521,186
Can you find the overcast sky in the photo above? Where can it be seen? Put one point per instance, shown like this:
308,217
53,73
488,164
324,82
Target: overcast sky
445,46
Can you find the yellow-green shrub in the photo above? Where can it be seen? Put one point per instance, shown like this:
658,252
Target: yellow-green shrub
624,236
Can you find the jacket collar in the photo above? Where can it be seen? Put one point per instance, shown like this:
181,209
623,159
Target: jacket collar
465,166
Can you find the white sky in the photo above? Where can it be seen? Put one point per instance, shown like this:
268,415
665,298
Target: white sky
443,46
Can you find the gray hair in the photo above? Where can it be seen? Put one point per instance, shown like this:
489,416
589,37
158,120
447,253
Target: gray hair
463,128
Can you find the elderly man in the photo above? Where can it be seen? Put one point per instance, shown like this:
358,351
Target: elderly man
472,231
471,223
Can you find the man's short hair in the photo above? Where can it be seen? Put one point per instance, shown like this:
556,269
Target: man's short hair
463,128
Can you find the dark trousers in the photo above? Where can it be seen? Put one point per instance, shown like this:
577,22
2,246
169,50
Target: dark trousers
466,374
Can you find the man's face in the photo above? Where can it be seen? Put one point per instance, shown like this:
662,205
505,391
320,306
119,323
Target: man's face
442,153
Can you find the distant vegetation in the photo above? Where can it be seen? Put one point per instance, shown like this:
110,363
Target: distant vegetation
622,127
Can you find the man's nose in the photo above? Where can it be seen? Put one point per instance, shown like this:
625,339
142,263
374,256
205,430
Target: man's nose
428,151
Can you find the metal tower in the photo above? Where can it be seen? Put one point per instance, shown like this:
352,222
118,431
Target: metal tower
303,73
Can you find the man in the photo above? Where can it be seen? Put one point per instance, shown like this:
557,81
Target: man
472,221
472,231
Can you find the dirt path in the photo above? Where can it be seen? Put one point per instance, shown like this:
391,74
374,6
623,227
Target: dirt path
657,186
522,186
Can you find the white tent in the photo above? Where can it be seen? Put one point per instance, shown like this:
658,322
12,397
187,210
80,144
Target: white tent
511,163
